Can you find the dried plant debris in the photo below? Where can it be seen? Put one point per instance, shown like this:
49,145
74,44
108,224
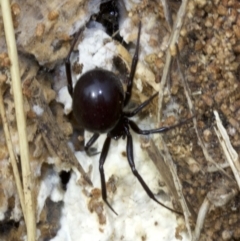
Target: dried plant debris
45,147
44,31
52,135
210,62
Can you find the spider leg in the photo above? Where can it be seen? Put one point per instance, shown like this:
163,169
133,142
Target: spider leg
140,107
101,170
133,69
136,129
135,172
68,64
92,151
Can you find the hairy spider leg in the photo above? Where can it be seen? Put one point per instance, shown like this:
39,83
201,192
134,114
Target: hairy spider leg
137,175
133,69
140,107
101,170
68,64
136,129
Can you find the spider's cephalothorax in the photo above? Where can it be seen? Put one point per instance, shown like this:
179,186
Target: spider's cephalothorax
98,102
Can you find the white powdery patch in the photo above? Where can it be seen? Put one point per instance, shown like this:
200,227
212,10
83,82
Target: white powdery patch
64,98
138,217
49,188
38,110
17,210
130,4
96,50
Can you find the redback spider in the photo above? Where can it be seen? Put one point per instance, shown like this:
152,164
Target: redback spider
98,103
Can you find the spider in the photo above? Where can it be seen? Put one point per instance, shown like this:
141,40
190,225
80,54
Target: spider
98,106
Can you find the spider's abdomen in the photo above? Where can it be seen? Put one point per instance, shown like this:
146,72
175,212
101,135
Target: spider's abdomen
98,100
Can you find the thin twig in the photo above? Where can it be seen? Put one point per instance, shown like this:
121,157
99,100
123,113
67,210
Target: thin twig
172,43
228,150
203,211
167,13
178,187
21,120
12,154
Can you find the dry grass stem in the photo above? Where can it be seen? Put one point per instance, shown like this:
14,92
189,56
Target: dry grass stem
167,13
163,83
229,152
12,154
178,25
168,159
21,119
172,42
201,218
